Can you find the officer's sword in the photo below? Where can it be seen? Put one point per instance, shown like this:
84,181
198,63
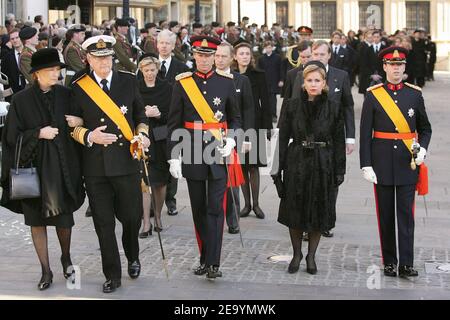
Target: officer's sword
232,193
157,230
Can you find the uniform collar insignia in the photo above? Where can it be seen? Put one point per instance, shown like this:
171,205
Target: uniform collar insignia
395,87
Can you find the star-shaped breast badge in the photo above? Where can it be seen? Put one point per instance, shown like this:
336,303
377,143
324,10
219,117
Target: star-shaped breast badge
217,101
124,109
411,112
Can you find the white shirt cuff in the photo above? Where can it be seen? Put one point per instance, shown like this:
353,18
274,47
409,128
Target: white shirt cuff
350,141
89,140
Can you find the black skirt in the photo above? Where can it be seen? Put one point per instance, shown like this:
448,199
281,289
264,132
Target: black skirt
31,209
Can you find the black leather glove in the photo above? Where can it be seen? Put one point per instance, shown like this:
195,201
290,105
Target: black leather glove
277,180
339,179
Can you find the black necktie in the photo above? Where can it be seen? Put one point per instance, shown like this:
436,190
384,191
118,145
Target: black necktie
336,50
163,69
104,83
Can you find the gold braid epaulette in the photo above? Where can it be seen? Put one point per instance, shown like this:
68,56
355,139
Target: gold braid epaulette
374,87
413,86
183,75
294,63
224,74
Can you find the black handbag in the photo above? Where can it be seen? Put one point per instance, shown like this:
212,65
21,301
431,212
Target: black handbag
23,182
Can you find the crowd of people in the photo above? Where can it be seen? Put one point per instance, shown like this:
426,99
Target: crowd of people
97,111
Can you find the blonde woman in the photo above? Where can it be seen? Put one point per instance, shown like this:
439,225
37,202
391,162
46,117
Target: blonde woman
156,95
311,166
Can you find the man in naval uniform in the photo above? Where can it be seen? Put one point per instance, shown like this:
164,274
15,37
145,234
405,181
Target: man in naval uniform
113,133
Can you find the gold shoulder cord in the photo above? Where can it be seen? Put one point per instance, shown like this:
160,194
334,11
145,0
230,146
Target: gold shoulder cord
294,63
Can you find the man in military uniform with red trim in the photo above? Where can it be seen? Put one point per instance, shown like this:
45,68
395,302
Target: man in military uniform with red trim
203,103
393,122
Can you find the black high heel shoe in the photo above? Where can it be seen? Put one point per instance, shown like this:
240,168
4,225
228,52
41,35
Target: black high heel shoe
46,281
294,266
66,263
157,229
311,268
146,234
245,211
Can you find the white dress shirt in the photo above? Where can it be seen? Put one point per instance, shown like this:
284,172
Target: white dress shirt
167,64
109,78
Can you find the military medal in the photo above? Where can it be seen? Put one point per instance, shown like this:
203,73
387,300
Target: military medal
124,109
411,112
217,101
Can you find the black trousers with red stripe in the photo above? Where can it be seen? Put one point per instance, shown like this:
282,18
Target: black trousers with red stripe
206,198
388,199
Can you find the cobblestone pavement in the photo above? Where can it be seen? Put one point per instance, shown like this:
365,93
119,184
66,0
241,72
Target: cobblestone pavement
346,262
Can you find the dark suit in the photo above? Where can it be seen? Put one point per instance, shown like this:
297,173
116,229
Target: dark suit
112,176
375,64
290,80
390,159
206,180
176,67
272,66
341,60
244,100
10,67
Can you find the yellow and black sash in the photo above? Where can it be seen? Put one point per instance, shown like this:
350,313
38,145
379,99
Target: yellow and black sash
110,108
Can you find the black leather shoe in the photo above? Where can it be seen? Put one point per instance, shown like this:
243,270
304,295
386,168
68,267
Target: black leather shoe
407,271
390,270
328,234
311,266
259,213
245,212
233,230
200,270
46,281
172,211
111,285
134,269
295,264
66,263
146,234
213,272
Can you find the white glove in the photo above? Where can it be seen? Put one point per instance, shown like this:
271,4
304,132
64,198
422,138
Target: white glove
227,148
421,156
369,174
175,168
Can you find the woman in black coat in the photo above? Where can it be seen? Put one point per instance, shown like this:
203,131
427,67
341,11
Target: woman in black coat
311,166
156,95
39,115
263,126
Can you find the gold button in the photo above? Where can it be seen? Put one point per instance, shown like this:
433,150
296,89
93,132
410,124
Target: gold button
204,82
395,147
105,145
204,92
118,127
121,144
395,93
102,120
395,101
120,136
